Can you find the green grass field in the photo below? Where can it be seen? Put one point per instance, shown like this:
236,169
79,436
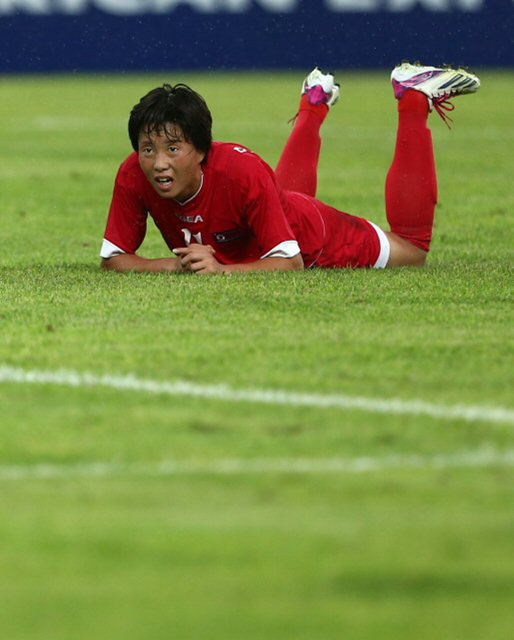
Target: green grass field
128,513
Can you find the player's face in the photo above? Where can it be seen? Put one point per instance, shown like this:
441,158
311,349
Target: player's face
170,163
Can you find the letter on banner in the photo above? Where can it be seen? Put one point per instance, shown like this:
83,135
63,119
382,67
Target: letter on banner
406,5
470,5
353,5
279,6
123,7
29,6
435,5
230,6
403,5
72,7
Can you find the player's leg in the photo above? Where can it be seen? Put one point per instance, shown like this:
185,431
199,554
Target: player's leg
297,169
411,185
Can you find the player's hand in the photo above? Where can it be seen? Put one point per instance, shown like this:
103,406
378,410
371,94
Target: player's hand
198,258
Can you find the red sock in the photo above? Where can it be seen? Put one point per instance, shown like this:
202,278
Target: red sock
411,185
297,169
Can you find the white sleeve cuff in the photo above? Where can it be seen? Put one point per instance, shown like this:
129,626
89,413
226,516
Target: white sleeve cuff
287,249
109,250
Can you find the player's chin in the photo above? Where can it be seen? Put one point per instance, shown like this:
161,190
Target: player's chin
165,190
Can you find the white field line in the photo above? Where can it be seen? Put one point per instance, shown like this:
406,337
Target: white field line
260,466
260,396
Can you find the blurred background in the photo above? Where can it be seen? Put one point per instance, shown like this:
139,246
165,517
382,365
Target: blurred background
154,35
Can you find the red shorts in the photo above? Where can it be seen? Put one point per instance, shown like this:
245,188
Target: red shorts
332,238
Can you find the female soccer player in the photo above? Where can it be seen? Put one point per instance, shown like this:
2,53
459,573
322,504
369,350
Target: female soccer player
221,208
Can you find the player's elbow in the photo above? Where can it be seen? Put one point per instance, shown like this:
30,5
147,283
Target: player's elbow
106,264
113,264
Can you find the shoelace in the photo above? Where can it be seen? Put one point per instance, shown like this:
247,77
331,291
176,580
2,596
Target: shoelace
441,105
292,120
316,96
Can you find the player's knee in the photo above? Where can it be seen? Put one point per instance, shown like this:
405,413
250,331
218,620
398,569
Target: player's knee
404,253
419,257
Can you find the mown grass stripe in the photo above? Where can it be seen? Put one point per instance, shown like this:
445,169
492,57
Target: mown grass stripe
261,466
260,396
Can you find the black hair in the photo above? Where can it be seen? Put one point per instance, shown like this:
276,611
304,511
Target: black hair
172,105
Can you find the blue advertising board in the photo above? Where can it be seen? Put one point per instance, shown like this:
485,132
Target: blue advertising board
135,35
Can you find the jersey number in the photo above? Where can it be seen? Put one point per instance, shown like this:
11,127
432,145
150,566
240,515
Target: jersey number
188,237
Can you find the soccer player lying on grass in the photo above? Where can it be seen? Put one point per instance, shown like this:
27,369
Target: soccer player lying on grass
220,208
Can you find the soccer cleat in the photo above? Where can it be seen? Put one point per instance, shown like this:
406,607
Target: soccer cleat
321,88
438,84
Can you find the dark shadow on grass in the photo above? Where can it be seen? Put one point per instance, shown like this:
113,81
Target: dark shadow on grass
394,585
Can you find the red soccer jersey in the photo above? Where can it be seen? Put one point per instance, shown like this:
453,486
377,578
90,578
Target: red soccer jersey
242,212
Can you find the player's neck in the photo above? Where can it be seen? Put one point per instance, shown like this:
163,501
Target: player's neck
192,193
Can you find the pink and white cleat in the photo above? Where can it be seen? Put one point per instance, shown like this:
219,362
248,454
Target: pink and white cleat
321,88
438,84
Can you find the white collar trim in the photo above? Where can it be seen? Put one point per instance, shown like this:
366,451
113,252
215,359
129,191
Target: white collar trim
182,204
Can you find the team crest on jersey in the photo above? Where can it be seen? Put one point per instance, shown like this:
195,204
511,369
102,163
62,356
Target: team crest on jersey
230,235
190,219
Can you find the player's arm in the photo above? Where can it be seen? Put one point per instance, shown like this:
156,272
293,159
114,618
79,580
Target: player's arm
126,225
267,264
200,258
133,262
